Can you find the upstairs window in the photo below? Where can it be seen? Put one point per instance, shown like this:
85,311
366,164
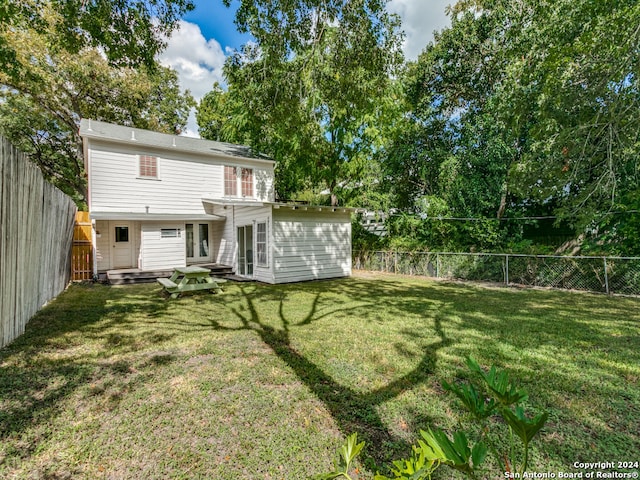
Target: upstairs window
247,182
230,181
148,166
237,179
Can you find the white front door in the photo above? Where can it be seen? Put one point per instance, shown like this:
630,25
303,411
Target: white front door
122,245
197,242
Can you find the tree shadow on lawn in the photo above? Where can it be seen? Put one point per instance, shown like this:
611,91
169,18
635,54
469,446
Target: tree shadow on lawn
576,353
353,411
452,314
50,363
502,320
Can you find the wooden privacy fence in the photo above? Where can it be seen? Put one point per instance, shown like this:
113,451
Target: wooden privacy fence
82,250
36,231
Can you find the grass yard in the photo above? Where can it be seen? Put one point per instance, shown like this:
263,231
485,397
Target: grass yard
264,382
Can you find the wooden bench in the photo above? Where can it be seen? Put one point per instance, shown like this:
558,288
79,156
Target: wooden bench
166,283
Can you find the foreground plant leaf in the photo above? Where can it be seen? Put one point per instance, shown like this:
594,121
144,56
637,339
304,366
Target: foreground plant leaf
472,399
498,382
456,454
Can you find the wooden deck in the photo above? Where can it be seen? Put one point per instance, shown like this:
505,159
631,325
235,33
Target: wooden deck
129,276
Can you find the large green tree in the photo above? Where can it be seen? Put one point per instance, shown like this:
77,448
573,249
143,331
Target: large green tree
523,108
128,32
576,94
314,91
50,87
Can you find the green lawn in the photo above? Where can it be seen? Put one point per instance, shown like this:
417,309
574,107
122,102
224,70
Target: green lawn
265,381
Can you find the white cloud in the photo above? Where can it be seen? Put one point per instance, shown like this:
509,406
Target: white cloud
419,20
198,62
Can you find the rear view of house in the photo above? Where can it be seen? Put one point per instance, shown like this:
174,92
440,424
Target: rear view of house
161,201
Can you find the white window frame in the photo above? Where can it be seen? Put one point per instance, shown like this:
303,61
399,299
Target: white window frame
237,182
170,233
262,257
157,167
250,184
233,183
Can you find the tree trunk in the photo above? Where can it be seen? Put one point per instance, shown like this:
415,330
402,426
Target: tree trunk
332,192
503,204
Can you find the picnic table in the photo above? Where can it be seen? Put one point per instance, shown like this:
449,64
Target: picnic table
189,279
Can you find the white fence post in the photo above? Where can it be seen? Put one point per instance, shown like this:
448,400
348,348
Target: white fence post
606,276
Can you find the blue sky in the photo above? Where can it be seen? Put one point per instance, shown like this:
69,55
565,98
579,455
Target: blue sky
207,35
216,21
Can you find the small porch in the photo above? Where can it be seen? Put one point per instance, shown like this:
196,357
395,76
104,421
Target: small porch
157,243
127,276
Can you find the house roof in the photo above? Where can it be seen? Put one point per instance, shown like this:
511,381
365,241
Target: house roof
129,135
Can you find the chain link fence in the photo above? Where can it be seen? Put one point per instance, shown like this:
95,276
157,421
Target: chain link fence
612,275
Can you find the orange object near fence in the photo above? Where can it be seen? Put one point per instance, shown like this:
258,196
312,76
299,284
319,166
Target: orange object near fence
82,249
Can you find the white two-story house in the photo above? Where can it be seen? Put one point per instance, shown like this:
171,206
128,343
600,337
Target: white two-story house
161,201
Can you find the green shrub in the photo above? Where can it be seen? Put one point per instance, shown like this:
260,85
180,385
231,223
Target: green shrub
493,394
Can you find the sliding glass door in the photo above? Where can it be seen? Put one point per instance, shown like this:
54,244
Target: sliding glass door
245,251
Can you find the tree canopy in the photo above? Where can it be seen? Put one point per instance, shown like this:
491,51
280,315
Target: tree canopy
517,110
312,92
127,32
520,109
53,82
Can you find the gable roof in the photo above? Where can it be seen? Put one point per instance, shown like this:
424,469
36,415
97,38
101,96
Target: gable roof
129,135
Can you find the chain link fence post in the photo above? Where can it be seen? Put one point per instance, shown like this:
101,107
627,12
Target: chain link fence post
506,270
621,274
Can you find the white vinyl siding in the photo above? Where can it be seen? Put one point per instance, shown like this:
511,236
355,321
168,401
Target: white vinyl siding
222,238
103,246
309,245
161,253
116,187
115,184
263,184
